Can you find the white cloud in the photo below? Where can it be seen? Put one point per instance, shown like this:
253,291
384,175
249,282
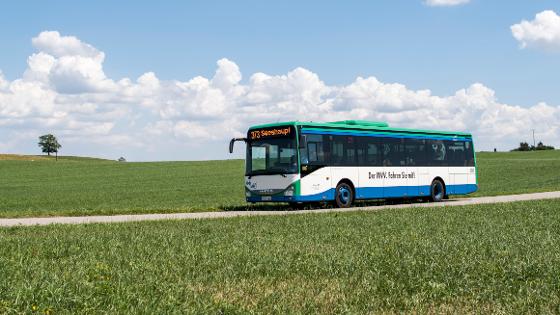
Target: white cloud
541,33
445,3
65,91
52,43
67,64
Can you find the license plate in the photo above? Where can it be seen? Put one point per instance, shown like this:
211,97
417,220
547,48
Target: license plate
266,198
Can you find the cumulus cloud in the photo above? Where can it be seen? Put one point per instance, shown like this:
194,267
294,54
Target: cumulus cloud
65,91
67,64
52,43
445,3
541,33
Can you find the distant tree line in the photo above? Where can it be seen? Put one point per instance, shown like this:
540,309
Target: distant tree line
524,146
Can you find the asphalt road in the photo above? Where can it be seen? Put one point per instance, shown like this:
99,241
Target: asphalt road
230,214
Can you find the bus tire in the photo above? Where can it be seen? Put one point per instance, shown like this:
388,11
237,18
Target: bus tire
437,191
344,195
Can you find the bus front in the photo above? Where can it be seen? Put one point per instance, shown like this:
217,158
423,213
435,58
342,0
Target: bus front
272,170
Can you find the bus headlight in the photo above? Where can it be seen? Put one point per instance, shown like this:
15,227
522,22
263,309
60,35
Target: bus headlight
289,192
247,193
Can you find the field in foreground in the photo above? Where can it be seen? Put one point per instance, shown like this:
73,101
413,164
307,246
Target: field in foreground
81,186
502,258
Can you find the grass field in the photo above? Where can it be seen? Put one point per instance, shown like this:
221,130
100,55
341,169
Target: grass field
84,186
505,173
502,258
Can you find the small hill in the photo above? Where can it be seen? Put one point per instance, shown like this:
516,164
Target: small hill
21,157
18,157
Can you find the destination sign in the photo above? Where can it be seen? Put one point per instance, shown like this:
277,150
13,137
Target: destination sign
273,132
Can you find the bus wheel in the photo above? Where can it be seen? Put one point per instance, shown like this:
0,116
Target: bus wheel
344,195
437,191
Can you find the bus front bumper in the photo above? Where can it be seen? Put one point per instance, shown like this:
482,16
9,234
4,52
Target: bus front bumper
273,199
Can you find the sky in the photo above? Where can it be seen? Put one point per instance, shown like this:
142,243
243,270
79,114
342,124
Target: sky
175,80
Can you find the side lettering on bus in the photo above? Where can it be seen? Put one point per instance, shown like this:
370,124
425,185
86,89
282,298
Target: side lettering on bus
392,175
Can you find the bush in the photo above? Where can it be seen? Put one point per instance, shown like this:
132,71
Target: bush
524,146
541,146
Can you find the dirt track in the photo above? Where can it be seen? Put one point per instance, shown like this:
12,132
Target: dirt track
230,214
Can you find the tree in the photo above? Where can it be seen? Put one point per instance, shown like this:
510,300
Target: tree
49,144
541,146
523,146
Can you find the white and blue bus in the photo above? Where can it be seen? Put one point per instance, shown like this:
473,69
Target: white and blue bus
344,161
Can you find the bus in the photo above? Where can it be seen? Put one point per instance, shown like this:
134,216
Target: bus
345,161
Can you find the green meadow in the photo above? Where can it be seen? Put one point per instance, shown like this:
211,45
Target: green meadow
502,258
505,173
31,186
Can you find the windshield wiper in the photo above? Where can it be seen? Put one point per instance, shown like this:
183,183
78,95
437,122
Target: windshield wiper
280,171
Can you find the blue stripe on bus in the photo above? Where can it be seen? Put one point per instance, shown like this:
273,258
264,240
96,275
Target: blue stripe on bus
324,196
373,193
379,135
410,191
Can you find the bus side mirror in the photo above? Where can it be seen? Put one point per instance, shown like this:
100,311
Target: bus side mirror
232,141
303,142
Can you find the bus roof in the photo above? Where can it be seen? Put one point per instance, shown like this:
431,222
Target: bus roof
360,125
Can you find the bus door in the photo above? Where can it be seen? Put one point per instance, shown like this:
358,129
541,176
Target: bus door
316,177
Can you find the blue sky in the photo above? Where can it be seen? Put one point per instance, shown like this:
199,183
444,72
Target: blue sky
440,48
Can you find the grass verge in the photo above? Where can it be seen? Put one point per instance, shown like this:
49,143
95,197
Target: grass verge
502,258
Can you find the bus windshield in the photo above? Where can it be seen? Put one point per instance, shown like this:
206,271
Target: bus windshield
272,156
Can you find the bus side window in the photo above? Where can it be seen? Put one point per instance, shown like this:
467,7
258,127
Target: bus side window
312,151
415,150
337,151
350,151
361,150
437,155
456,153
393,152
373,153
469,153
386,151
401,153
386,154
315,154
343,151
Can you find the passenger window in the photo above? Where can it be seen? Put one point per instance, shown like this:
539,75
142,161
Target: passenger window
337,152
393,152
437,153
368,150
315,154
415,151
469,154
456,153
372,154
